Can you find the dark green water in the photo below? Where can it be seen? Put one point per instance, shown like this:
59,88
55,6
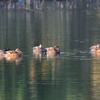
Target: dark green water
74,75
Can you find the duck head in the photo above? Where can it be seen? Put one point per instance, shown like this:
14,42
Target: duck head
19,51
41,46
95,46
98,46
57,49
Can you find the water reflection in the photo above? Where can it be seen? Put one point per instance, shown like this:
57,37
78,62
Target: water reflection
38,54
95,73
41,74
95,55
17,60
52,56
57,76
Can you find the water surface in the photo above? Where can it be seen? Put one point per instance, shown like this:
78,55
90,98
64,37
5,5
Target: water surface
74,75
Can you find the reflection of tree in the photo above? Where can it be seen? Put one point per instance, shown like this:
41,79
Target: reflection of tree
12,79
53,78
94,28
2,78
33,80
95,71
53,35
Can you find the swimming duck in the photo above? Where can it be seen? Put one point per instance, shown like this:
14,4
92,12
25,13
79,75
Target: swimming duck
94,47
38,49
52,51
13,53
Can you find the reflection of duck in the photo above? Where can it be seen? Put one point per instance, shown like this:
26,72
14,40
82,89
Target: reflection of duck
14,59
38,49
38,54
13,54
52,51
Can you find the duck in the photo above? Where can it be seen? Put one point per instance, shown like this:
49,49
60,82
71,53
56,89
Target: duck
94,48
38,49
13,53
52,51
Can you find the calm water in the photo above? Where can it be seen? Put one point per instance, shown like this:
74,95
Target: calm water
74,75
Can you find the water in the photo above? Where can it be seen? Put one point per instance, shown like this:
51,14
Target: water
74,75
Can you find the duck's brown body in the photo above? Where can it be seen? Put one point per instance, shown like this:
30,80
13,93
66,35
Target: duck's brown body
38,49
13,53
52,51
97,50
